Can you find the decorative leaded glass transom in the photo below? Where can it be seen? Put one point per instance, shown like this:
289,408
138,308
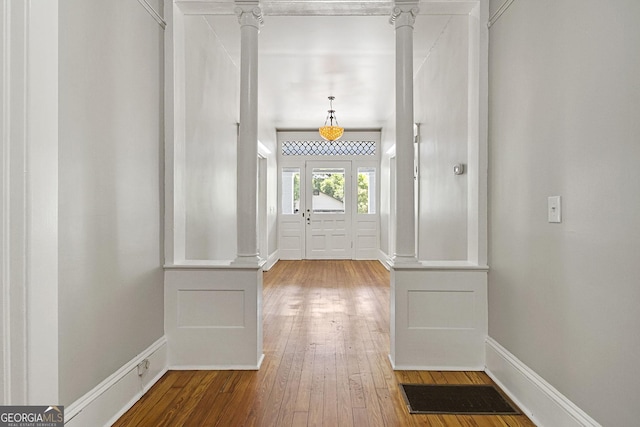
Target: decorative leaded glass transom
328,148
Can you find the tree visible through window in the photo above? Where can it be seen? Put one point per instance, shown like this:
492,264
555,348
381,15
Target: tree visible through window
331,184
328,190
366,190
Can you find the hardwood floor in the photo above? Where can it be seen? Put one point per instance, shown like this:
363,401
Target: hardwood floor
326,345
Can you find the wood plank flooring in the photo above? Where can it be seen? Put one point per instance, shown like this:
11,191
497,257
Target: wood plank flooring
326,345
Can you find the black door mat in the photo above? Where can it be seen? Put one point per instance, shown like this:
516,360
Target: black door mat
475,399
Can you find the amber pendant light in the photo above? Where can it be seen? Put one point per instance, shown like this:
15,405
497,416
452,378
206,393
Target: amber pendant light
331,132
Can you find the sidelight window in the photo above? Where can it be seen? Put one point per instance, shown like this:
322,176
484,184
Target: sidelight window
367,190
290,190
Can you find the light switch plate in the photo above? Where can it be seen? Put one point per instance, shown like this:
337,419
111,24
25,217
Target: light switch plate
554,209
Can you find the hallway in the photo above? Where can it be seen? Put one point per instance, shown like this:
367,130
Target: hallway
326,344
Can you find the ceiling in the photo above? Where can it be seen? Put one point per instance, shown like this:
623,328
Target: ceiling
304,59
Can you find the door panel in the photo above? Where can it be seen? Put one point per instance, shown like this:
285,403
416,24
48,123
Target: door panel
325,213
328,213
366,239
291,218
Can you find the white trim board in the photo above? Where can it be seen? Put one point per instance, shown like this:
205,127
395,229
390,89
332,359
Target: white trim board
434,367
538,399
328,7
271,260
154,13
218,367
114,396
384,259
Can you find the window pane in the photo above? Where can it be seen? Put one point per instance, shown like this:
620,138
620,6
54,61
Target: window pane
290,190
328,190
328,148
366,190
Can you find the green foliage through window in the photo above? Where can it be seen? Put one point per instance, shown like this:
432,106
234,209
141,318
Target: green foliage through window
331,184
363,193
296,188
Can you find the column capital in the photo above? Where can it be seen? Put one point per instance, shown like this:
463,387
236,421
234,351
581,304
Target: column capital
249,13
404,14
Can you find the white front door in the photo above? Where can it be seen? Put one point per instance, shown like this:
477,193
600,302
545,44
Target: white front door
328,205
328,210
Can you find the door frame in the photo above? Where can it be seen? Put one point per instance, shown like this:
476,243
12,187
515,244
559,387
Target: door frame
288,222
311,218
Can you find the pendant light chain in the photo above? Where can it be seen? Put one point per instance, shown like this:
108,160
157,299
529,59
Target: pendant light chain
331,132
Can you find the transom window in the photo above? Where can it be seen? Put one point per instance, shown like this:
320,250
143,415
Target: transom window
328,148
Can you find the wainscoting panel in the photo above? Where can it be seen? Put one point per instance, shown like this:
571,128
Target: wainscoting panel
211,308
432,309
213,316
438,316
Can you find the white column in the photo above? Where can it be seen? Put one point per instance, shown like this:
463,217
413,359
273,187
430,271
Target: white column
403,18
250,18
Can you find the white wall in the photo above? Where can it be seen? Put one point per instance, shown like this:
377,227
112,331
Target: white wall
564,103
110,109
212,96
441,109
267,135
387,142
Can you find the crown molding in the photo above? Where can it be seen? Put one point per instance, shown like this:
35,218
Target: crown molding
327,8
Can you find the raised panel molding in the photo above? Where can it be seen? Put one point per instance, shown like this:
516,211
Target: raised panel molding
210,308
438,316
213,317
367,238
432,309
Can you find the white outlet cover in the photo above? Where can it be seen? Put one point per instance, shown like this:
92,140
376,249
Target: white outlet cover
554,209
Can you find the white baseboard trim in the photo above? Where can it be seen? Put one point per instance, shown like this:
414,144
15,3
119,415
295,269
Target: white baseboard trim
218,367
433,368
538,399
271,260
114,396
384,259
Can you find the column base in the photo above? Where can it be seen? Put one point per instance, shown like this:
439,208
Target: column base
248,260
404,259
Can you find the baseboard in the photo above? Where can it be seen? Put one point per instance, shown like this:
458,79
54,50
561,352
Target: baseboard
271,260
433,368
218,367
384,259
110,399
538,399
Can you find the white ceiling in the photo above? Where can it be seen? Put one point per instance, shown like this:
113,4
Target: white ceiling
304,59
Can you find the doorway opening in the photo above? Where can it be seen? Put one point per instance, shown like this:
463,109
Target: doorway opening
328,194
